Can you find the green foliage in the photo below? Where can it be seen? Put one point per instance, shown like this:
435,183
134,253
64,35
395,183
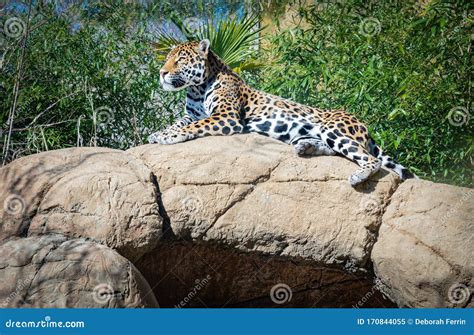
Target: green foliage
402,67
93,84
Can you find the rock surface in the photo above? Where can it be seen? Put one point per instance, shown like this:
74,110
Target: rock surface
425,250
234,221
254,194
52,271
100,194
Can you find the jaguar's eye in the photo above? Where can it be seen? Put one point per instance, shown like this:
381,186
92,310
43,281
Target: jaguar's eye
179,59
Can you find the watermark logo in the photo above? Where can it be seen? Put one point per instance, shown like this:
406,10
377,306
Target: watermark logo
325,4
14,27
378,285
192,24
458,294
21,286
104,115
14,205
102,294
396,112
370,26
370,204
281,293
199,285
192,204
458,116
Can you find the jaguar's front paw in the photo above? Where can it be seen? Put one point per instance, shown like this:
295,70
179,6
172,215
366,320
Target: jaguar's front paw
304,148
168,137
154,138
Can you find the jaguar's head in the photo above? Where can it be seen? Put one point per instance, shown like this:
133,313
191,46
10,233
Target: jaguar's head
186,65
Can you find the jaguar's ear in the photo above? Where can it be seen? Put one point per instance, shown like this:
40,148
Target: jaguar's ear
204,47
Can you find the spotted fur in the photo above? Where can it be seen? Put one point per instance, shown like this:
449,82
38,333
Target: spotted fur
218,102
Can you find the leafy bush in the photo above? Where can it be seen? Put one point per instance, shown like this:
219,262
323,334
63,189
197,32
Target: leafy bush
89,77
402,67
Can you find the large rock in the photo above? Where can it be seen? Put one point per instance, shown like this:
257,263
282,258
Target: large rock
101,194
51,271
256,195
227,221
249,213
425,251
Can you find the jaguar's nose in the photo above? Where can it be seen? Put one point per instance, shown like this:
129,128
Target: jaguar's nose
163,73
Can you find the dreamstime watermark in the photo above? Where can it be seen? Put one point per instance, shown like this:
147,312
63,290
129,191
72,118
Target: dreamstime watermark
462,240
396,112
21,285
370,204
102,293
192,204
14,27
370,26
14,205
104,115
2,61
467,196
351,266
281,293
199,285
325,4
459,294
377,287
192,24
459,116
46,323
279,117
458,29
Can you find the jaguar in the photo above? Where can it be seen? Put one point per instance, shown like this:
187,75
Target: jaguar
219,102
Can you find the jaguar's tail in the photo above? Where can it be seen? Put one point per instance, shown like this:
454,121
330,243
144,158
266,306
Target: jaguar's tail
388,162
